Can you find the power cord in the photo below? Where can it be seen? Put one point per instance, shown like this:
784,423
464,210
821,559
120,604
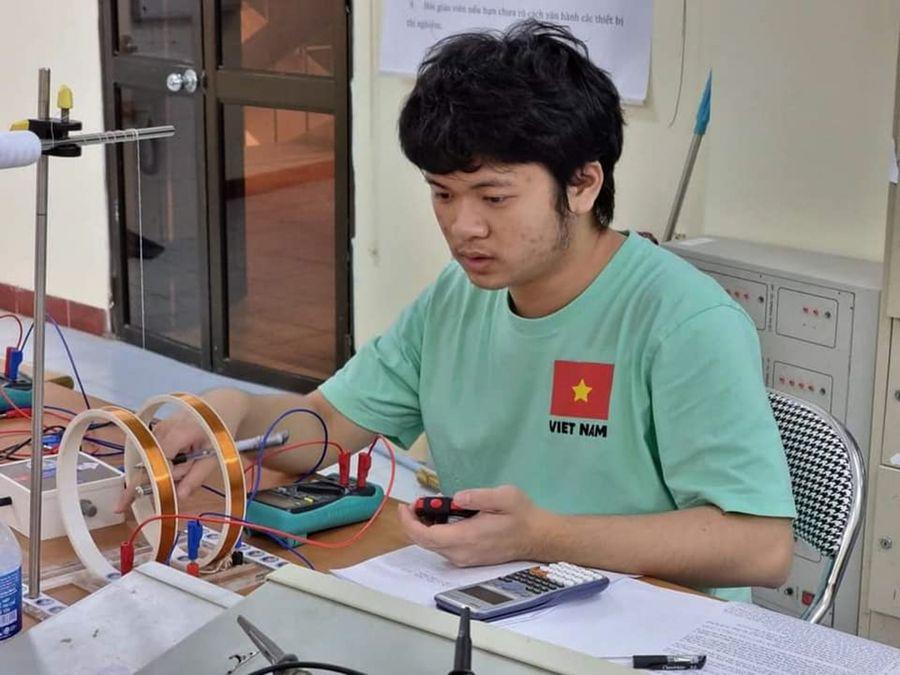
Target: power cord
316,665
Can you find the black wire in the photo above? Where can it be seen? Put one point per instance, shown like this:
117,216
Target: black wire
9,450
290,665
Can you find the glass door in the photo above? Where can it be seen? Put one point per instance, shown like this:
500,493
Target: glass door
235,253
153,61
281,250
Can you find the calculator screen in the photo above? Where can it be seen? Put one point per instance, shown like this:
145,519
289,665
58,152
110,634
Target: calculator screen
485,594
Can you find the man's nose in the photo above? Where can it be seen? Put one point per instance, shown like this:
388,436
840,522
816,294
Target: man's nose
468,222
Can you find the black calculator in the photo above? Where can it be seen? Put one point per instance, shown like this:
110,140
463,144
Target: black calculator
522,591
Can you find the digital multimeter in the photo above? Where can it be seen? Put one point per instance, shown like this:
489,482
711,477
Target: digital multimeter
310,506
522,591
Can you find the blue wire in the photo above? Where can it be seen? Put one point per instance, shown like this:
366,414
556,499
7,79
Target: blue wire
27,335
71,359
105,444
287,547
276,539
65,410
213,490
265,439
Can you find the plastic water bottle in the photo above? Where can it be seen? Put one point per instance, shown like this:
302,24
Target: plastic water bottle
10,583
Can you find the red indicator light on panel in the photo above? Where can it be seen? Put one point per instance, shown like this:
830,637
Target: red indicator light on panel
807,598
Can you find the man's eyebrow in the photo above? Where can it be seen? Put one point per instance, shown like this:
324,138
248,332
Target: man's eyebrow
487,183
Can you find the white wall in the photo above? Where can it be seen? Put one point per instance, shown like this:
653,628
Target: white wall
802,124
38,35
796,152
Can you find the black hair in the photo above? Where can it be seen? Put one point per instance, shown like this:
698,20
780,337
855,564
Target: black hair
529,94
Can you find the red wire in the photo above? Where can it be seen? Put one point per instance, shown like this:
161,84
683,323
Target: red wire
272,530
18,321
14,406
21,413
292,446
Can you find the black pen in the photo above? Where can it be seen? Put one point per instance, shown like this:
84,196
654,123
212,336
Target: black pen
662,661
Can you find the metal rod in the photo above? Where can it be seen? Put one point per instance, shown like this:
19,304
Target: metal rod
700,125
117,136
682,187
37,383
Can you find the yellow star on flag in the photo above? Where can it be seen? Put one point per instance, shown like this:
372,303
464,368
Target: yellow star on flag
581,391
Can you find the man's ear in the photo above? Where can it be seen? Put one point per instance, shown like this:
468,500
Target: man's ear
584,188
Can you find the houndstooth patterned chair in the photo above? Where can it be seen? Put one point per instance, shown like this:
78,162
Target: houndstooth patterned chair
828,482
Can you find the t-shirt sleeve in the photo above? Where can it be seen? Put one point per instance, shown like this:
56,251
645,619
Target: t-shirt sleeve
717,438
378,388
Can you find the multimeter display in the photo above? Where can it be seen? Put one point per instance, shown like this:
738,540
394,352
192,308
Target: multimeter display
314,505
302,496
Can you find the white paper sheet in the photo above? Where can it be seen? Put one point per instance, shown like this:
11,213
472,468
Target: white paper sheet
414,574
617,32
634,617
749,640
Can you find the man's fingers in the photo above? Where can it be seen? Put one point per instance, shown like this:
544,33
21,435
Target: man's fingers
179,471
176,435
500,499
124,501
195,476
433,537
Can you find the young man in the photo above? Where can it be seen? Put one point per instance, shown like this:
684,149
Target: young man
597,399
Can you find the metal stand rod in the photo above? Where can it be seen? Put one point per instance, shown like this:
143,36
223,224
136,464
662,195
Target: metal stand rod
118,136
37,383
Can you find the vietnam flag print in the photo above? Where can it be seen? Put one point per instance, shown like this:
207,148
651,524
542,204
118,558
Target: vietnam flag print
581,389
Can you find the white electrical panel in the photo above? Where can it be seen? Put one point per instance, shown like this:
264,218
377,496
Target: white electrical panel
817,319
99,487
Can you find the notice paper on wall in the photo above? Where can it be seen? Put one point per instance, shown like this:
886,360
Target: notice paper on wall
617,32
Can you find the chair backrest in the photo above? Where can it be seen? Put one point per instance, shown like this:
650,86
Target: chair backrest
828,483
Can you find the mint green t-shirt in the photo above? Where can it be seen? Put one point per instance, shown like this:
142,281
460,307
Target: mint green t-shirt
644,394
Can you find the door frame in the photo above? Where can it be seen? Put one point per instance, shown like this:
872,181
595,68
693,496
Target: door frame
220,86
132,70
265,89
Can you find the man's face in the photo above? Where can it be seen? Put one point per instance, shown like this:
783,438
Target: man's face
501,223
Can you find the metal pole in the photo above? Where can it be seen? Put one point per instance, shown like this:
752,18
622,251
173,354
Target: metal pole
700,125
37,384
682,187
117,136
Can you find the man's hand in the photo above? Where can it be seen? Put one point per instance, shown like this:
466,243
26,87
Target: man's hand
180,432
507,528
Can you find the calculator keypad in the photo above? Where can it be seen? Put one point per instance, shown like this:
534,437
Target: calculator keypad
543,578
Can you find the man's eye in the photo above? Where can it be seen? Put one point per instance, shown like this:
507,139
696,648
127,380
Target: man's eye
495,200
441,196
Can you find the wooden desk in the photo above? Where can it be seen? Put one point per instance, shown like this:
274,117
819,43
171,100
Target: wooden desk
383,536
